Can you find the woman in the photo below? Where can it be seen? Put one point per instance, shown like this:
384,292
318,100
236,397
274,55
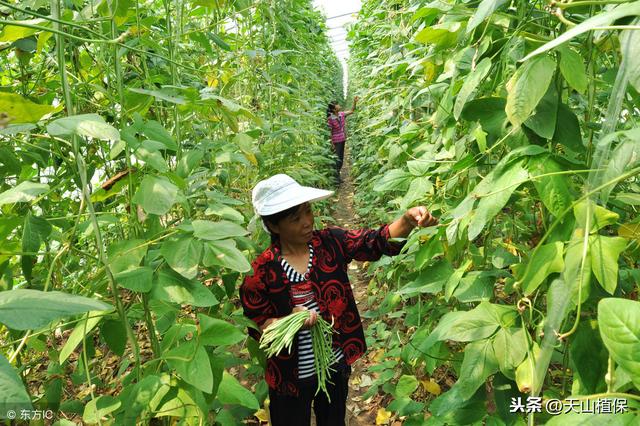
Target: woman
336,120
307,269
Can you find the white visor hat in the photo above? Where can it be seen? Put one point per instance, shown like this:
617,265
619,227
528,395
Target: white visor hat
280,192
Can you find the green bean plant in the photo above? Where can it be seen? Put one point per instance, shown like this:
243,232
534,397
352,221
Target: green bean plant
131,134
516,122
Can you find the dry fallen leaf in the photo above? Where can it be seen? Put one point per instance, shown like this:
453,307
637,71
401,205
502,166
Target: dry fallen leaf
377,355
365,381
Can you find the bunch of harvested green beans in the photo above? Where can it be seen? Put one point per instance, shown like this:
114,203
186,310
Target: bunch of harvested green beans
323,355
281,334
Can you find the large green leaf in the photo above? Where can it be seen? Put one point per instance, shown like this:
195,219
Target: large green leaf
232,392
216,332
477,286
470,84
624,157
126,255
572,68
546,260
188,162
81,330
183,404
543,121
23,192
429,280
151,157
208,230
484,10
454,279
34,233
156,132
406,385
619,322
116,10
441,331
156,195
192,364
441,35
25,309
589,356
138,279
393,180
89,125
225,253
496,196
478,323
169,286
13,395
554,190
604,259
567,131
427,251
479,363
489,112
510,348
527,87
183,254
21,110
143,394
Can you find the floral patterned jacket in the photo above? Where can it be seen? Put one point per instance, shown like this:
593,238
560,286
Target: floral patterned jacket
267,294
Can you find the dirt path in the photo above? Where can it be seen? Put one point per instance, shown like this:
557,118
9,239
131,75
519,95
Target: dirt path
359,411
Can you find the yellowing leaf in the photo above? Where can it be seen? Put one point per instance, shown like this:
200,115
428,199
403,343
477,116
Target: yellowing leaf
527,87
262,415
383,417
22,110
431,386
12,33
429,71
630,231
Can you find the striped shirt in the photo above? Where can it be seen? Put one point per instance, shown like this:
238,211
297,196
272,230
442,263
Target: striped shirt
303,296
337,125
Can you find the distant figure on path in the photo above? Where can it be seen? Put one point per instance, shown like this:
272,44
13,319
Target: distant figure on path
336,119
306,268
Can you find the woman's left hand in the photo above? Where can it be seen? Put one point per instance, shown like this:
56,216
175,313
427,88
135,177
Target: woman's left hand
420,216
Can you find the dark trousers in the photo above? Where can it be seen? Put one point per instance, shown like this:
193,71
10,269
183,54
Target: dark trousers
296,411
338,148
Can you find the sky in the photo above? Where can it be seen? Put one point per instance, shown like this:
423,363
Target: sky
336,23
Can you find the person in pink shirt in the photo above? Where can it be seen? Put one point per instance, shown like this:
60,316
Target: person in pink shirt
336,120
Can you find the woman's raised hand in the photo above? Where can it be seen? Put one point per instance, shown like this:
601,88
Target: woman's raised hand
420,216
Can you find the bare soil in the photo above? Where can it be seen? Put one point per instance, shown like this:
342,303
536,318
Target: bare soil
360,412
